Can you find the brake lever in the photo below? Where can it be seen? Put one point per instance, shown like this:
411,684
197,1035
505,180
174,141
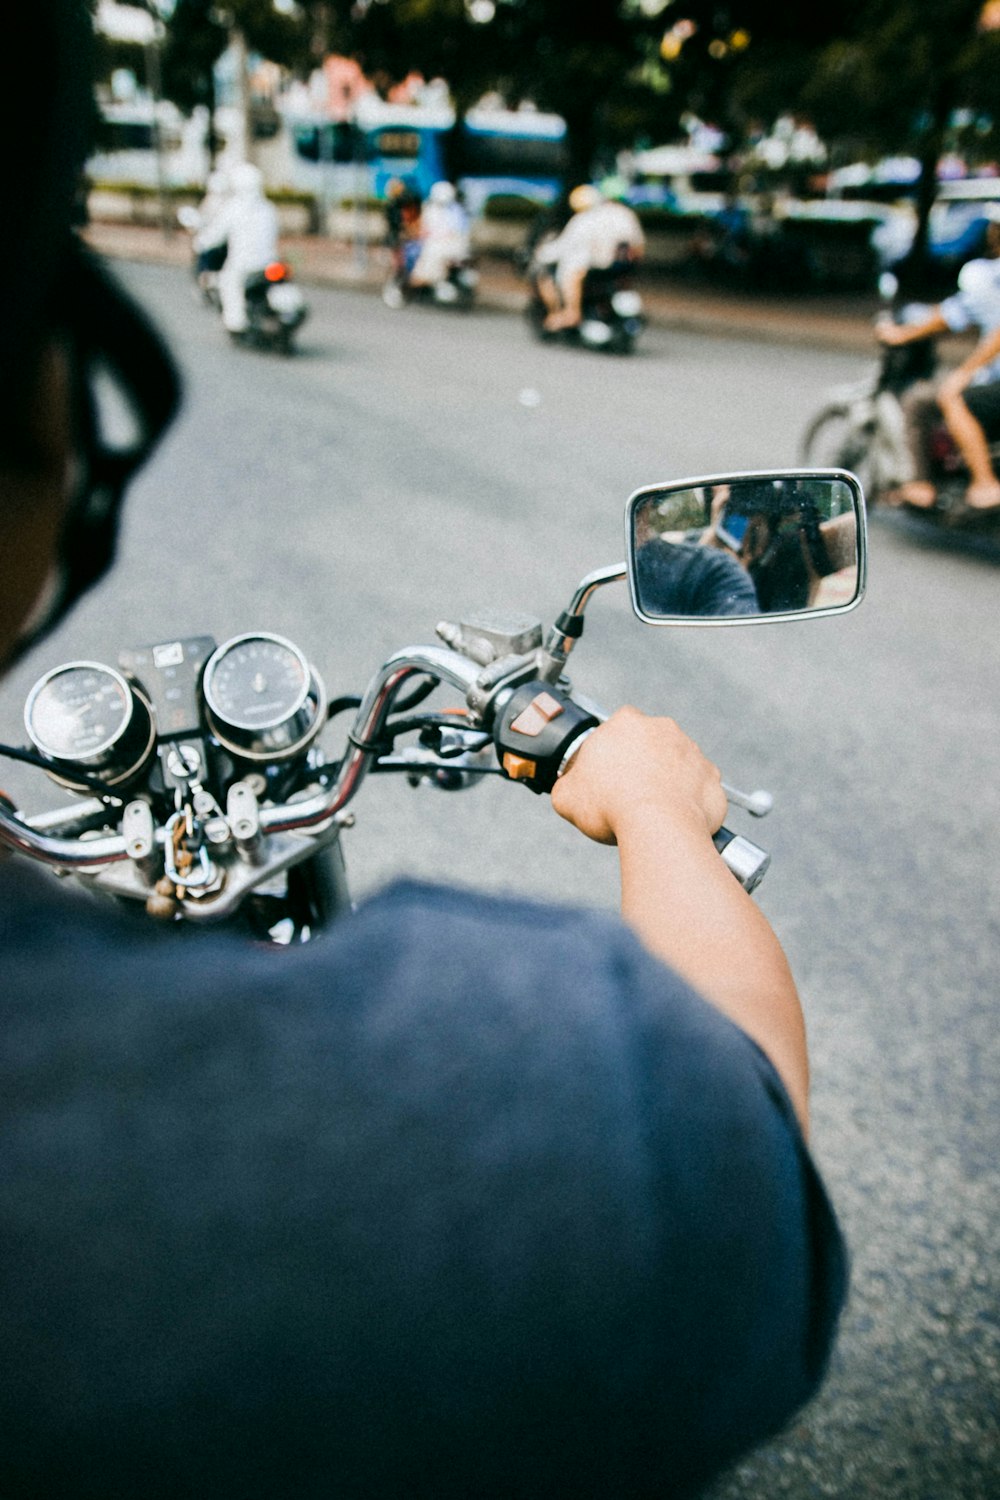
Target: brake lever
758,804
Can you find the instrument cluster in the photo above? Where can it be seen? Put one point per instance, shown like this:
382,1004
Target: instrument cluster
256,695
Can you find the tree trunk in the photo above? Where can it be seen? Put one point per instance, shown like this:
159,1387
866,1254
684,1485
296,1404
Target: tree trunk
581,145
916,273
244,144
212,142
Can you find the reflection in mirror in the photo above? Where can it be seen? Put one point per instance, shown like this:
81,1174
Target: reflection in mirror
746,546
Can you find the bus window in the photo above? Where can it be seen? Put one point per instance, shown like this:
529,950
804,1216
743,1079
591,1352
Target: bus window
517,153
397,145
487,154
124,135
339,142
416,153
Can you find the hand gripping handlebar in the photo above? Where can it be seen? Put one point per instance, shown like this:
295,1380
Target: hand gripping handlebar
539,731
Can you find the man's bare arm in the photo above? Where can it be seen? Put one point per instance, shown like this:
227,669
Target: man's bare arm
641,783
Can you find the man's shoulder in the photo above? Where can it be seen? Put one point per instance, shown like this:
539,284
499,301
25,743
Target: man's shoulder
511,948
404,937
436,958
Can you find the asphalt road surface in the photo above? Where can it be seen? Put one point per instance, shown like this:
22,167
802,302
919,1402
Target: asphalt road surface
407,466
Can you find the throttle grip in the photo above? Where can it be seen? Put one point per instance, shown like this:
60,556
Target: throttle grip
747,860
541,722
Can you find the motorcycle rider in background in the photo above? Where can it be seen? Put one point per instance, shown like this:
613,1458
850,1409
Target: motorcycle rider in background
209,239
970,404
402,224
468,1196
444,236
248,222
964,397
601,233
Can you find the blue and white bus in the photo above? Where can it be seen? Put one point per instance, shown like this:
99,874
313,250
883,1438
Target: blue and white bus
518,153
487,154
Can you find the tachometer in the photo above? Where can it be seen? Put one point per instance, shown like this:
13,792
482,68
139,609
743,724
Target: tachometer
262,698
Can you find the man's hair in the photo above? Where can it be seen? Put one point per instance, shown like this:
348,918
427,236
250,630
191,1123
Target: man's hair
50,44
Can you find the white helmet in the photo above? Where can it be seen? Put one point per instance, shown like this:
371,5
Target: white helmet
246,178
442,192
977,275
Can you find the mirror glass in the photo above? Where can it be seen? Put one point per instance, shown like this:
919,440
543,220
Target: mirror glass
746,546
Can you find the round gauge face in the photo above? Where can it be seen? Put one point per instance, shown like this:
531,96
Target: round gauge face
78,712
256,682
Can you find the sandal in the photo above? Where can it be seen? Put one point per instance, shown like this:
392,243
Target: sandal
901,498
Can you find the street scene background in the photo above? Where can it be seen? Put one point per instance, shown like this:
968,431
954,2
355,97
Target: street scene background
406,467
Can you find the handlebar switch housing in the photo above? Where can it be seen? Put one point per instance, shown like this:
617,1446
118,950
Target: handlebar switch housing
534,731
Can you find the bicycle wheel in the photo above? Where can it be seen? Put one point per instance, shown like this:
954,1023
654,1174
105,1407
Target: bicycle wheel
835,440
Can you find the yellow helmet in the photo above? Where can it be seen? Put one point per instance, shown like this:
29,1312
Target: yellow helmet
585,196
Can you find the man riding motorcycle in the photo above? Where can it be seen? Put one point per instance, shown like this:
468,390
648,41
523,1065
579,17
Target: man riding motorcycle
248,222
469,1196
966,398
602,233
208,241
445,236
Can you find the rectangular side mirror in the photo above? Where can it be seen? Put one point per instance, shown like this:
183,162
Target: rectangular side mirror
740,548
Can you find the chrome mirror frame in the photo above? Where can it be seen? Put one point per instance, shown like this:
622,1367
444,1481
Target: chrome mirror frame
736,477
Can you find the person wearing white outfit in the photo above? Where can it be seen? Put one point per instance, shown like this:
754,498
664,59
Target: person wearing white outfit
601,233
967,397
249,224
444,236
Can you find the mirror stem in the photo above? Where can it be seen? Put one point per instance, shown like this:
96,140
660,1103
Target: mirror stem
569,626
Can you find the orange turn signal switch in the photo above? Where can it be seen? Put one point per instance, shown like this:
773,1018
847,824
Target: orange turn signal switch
534,732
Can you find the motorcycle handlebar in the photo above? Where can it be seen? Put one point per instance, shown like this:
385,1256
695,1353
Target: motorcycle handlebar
63,853
745,859
433,661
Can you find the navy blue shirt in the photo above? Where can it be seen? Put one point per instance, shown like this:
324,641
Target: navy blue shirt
685,578
468,1197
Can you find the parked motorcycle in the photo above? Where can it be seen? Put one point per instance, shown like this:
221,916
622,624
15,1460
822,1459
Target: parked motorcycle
457,288
611,308
861,428
201,791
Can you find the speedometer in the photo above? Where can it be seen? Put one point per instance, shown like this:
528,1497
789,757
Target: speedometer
263,700
86,717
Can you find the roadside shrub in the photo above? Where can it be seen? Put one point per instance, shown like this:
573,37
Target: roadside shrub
511,207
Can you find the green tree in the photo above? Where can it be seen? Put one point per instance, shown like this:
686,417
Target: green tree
199,31
597,65
898,81
195,40
875,76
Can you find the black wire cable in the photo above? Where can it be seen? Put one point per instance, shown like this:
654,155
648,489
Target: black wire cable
29,758
417,695
405,705
341,705
426,721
